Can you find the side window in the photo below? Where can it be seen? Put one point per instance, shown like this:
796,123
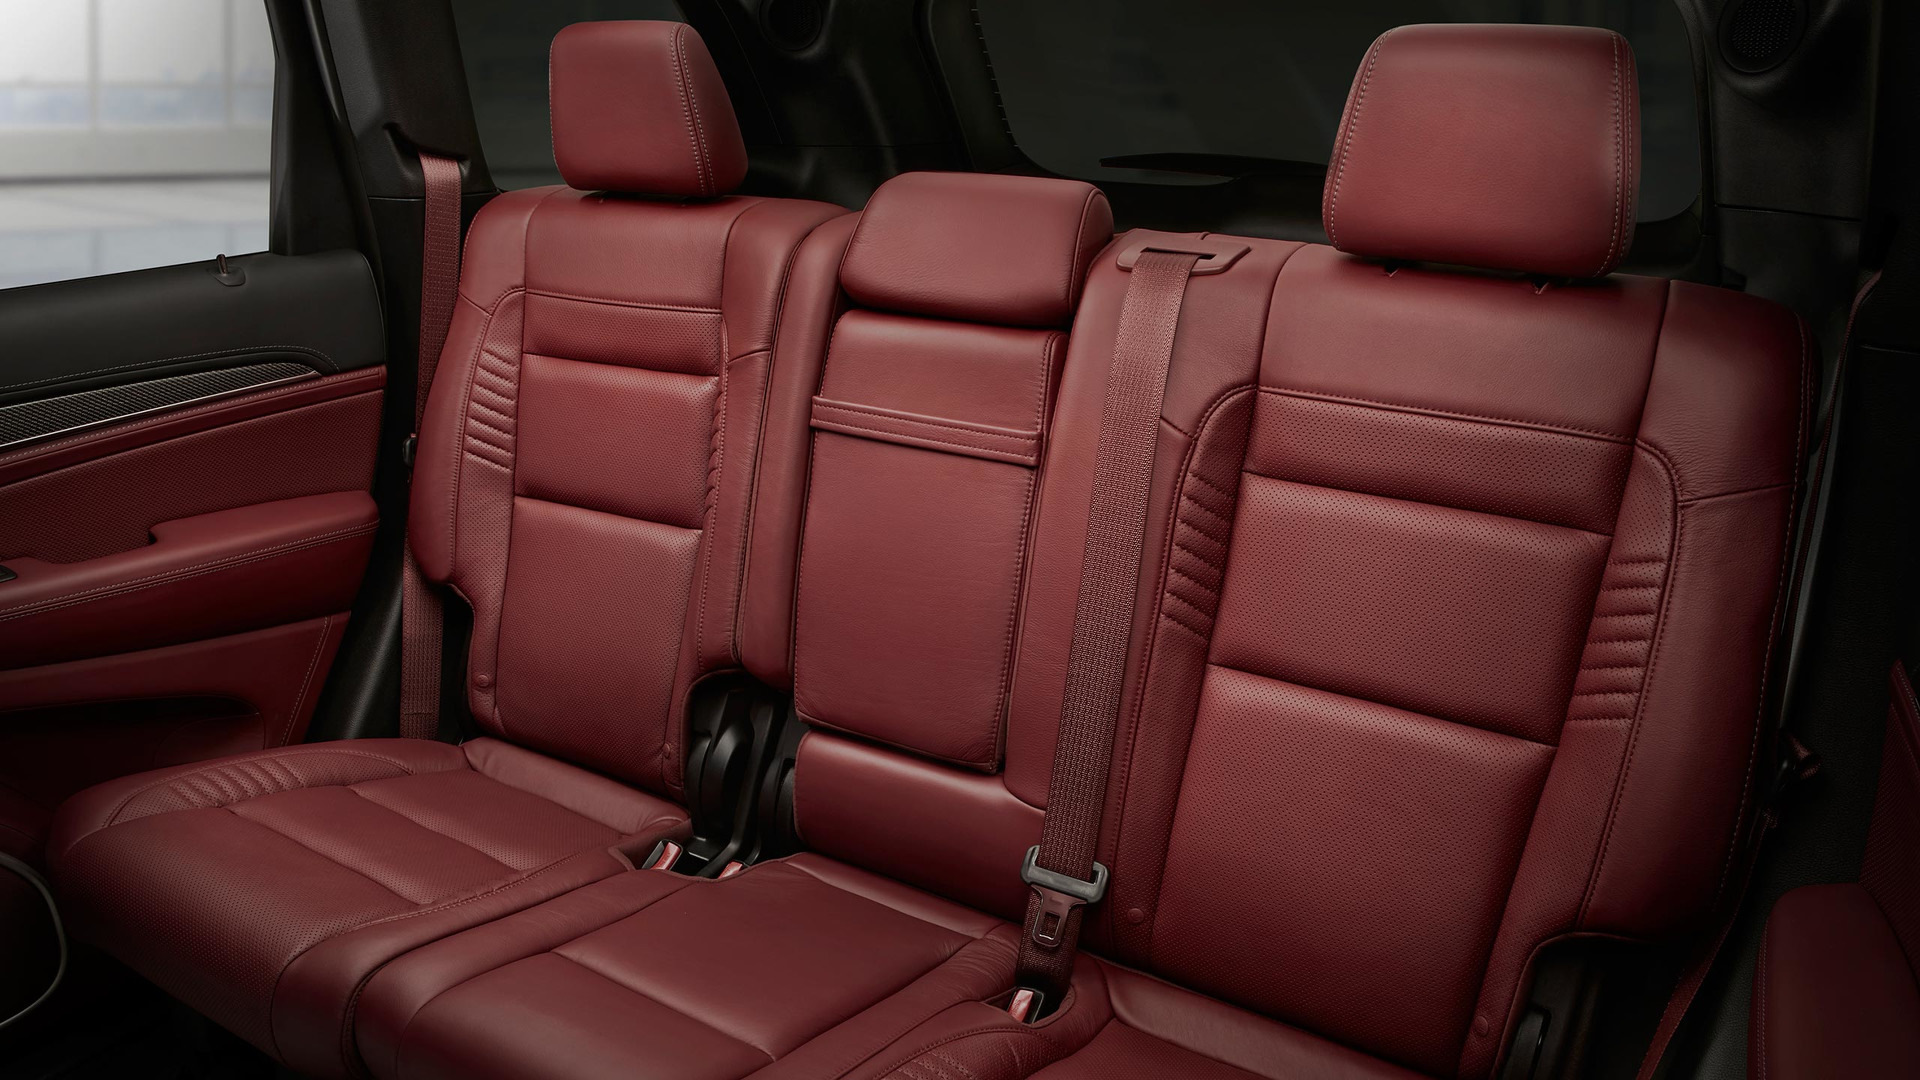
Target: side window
133,134
503,44
1144,91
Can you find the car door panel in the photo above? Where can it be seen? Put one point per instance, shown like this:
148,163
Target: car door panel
185,516
118,328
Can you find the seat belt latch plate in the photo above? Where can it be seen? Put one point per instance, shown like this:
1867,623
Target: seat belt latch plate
1059,895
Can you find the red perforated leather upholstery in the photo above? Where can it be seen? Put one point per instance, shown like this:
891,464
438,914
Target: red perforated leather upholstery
584,473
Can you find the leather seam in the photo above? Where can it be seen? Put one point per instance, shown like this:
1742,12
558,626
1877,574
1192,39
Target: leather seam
894,437
466,411
101,592
259,824
800,538
704,186
511,869
637,992
348,1045
1346,139
604,301
1465,725
1047,347
1761,489
306,682
113,816
1448,414
716,477
743,572
953,425
1151,645
1002,691
1640,693
1423,502
1073,253
1619,171
435,907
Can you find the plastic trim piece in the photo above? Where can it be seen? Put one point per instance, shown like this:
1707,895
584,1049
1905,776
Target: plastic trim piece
33,878
29,421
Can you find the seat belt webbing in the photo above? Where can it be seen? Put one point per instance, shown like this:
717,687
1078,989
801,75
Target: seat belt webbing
1061,869
420,617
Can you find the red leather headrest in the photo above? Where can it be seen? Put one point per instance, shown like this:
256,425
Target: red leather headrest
1007,250
1503,147
638,107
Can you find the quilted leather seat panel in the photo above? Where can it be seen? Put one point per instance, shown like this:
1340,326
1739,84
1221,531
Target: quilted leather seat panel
654,974
227,881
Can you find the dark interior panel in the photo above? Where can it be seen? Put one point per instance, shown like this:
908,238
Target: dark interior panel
318,310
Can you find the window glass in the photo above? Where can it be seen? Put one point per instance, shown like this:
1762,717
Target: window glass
503,44
1131,81
133,134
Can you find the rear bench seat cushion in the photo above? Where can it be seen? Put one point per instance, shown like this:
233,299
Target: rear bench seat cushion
656,974
260,889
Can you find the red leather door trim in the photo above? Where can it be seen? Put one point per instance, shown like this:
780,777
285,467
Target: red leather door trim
213,574
276,672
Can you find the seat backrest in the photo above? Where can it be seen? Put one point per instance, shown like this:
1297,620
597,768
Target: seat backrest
1461,581
587,456
923,440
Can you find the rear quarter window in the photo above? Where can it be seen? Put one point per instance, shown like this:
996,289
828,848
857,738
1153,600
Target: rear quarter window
1097,89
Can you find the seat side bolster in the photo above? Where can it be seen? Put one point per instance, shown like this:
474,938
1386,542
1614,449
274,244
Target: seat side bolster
1727,416
492,268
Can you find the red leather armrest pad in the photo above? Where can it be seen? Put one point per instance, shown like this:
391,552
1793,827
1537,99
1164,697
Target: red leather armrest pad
1832,986
220,573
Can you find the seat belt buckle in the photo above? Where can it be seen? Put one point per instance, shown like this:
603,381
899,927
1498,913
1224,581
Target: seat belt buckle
409,449
1024,1003
1059,895
1795,766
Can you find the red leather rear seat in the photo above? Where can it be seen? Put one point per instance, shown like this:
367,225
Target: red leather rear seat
929,410
584,474
1455,631
1460,588
1457,598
